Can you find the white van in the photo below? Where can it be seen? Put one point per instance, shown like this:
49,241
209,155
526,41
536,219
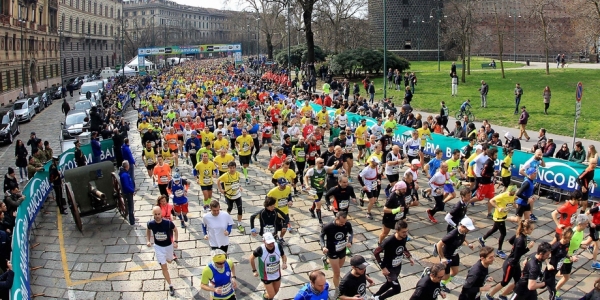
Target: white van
108,72
93,88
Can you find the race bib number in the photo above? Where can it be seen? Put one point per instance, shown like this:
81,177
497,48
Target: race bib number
340,246
313,154
272,268
319,143
399,215
226,288
344,204
160,236
150,161
172,141
168,161
301,154
388,147
164,179
283,202
206,180
152,144
235,187
192,151
349,148
179,193
245,149
224,166
269,229
560,263
397,261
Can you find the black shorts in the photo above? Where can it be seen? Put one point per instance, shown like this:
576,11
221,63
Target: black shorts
393,178
510,272
206,187
347,156
454,263
370,194
506,181
224,248
150,167
566,268
594,234
245,159
270,281
180,138
391,224
336,255
310,162
267,140
275,124
522,209
471,179
585,196
361,147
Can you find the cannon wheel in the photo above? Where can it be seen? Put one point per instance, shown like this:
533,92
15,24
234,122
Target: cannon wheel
119,196
73,205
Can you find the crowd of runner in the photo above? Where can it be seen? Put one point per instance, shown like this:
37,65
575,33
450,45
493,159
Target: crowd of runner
213,119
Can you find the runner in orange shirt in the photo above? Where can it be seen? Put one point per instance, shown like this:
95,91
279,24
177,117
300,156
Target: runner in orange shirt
171,139
162,174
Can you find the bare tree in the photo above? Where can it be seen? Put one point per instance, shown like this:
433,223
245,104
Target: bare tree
271,18
459,29
539,9
500,34
307,18
336,13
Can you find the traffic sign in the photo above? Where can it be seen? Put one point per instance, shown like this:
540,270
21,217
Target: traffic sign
579,92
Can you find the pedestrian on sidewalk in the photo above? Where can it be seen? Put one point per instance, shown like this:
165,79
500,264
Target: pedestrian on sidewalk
483,90
547,95
518,94
523,123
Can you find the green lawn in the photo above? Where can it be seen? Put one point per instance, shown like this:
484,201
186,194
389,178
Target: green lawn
429,66
434,86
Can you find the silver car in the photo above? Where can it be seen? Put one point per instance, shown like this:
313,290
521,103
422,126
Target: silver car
84,105
24,109
74,123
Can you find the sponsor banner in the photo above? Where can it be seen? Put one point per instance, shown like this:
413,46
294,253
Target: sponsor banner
558,173
36,191
195,49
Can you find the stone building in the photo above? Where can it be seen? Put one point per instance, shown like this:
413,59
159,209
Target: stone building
167,23
28,47
90,36
412,27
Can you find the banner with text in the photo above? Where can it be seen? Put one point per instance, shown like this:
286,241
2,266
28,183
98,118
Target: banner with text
36,191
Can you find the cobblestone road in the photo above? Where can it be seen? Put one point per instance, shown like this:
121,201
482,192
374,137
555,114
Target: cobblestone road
110,260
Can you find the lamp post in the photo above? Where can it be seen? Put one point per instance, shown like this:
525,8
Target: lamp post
21,22
384,50
418,20
438,12
153,31
513,14
289,38
89,38
258,37
123,26
60,42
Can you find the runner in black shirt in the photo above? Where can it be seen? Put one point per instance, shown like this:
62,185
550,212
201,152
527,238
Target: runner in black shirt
163,234
460,209
336,239
271,218
328,153
342,195
511,267
478,275
394,250
527,286
387,142
447,249
354,284
394,209
558,254
428,288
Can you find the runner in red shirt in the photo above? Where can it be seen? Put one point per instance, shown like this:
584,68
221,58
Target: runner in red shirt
277,160
562,216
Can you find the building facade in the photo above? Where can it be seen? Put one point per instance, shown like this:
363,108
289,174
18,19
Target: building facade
90,36
166,23
412,27
28,47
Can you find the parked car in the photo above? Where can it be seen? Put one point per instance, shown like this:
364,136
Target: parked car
24,109
47,97
77,82
84,105
56,93
38,103
9,125
76,121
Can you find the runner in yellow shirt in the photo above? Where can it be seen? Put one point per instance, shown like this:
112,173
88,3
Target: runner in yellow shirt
244,145
283,194
222,161
323,118
287,173
205,170
229,185
361,133
423,132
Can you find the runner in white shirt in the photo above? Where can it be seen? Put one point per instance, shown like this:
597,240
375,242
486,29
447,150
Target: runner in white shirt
377,129
342,119
393,162
369,179
436,182
217,226
412,147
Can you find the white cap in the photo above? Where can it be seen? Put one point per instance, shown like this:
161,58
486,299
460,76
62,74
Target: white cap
478,147
268,238
415,162
467,222
375,160
508,136
220,123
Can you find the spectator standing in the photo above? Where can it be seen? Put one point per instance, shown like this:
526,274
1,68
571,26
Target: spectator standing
21,160
96,148
127,156
454,83
547,95
10,180
412,81
372,92
591,153
518,94
65,107
483,90
558,60
56,180
33,142
523,123
578,154
6,282
128,189
563,152
80,159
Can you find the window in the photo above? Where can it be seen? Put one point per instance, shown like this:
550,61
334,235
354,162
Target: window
95,8
111,12
79,64
404,1
16,72
65,65
77,4
143,22
405,23
73,65
125,13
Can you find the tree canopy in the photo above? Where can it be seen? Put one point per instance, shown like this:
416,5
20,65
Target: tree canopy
298,55
367,60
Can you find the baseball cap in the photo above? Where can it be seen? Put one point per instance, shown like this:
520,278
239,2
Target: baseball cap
478,147
399,185
176,177
282,181
508,136
33,133
415,162
268,238
375,160
220,123
194,132
358,261
530,171
467,222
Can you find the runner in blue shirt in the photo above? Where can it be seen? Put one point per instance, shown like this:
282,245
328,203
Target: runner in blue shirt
316,289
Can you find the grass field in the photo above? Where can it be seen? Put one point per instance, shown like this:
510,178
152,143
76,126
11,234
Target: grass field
434,87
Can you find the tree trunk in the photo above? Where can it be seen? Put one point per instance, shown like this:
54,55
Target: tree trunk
310,38
464,65
469,54
546,50
500,41
269,46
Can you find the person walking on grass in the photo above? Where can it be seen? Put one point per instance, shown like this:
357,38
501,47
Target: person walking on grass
483,90
523,123
547,95
518,94
454,84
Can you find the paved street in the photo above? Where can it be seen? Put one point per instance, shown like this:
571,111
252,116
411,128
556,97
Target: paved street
110,260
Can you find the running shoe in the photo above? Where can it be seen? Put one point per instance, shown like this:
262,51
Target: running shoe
312,213
349,180
408,238
185,218
282,241
378,204
502,297
489,216
348,252
369,216
171,291
431,218
387,192
590,249
444,288
533,218
325,263
255,159
557,298
240,227
247,181
362,203
481,242
183,225
362,194
155,185
425,272
596,265
488,297
501,254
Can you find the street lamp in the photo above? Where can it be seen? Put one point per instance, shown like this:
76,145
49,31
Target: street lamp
89,38
21,22
384,49
60,42
289,39
438,11
418,20
123,26
258,37
513,14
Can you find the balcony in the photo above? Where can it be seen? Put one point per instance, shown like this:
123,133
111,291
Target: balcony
4,19
53,4
42,28
32,25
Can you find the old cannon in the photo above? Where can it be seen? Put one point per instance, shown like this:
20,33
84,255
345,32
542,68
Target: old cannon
93,189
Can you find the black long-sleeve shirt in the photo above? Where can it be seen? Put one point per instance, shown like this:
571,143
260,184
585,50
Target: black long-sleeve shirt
518,250
268,218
